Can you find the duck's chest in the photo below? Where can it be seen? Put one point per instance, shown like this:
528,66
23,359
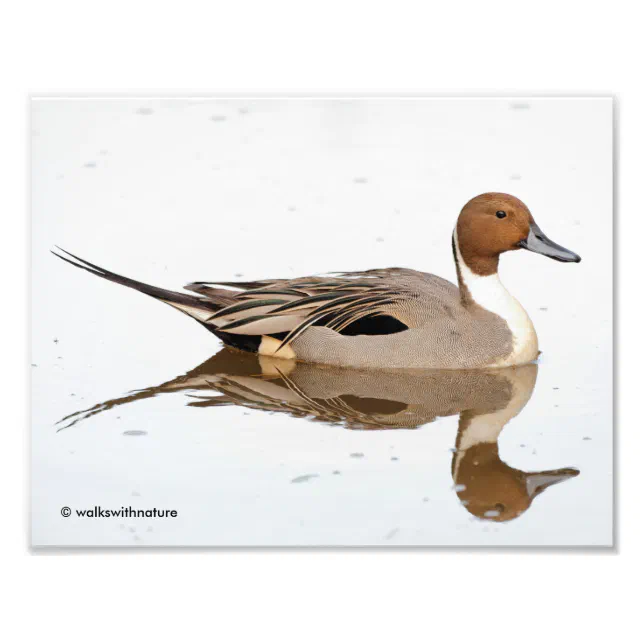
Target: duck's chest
498,305
486,293
481,338
525,345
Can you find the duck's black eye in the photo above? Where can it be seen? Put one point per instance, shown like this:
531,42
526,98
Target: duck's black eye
501,213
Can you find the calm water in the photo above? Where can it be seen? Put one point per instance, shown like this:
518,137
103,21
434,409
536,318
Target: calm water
136,405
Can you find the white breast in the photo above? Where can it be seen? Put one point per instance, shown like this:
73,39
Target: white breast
488,292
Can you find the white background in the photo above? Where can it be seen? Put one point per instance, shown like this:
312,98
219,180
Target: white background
351,48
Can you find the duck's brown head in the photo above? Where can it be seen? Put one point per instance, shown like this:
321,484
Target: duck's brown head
494,223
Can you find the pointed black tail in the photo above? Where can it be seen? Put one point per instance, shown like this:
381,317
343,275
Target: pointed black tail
192,305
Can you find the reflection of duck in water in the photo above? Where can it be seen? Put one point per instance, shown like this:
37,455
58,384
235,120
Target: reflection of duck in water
364,400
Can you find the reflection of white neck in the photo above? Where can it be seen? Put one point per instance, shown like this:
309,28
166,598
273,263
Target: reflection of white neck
489,293
487,427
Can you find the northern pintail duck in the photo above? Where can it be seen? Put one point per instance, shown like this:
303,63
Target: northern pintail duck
387,318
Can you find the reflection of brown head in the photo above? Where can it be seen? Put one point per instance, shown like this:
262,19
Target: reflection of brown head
489,488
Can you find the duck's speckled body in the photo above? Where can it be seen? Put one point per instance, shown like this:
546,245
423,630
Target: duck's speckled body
385,318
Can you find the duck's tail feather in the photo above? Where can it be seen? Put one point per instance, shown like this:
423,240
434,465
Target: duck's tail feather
192,305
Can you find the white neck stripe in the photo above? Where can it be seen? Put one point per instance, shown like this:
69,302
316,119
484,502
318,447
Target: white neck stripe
488,292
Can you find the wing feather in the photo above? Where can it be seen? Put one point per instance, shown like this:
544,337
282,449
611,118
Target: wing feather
292,306
262,325
246,307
